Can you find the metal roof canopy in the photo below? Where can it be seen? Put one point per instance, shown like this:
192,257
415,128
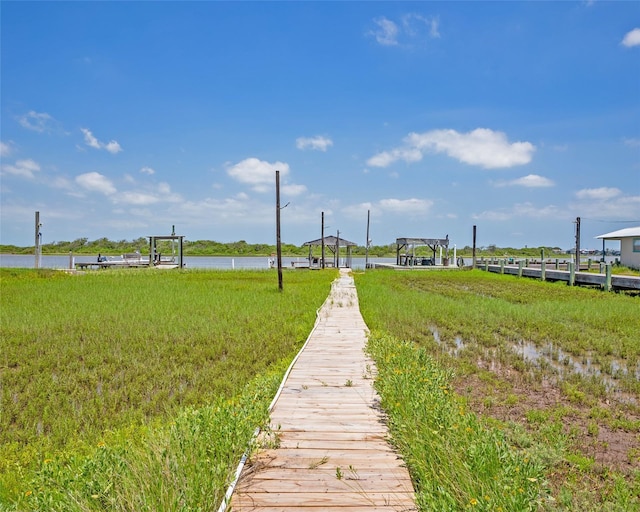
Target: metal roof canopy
432,243
330,241
621,233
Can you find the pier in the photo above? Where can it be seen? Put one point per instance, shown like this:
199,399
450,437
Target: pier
547,271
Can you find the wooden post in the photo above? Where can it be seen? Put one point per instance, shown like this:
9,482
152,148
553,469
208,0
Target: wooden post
322,241
520,264
278,243
578,244
473,263
338,248
366,247
543,270
557,264
70,260
607,279
502,266
572,273
37,242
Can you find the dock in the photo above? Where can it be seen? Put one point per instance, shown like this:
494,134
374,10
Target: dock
327,447
604,279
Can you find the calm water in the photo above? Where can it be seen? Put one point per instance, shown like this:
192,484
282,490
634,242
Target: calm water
217,262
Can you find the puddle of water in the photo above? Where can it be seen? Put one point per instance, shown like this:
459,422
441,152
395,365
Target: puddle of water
452,350
562,362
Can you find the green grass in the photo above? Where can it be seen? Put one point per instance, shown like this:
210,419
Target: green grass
489,314
118,353
139,390
456,462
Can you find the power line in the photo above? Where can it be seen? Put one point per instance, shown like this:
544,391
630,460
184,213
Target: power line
611,221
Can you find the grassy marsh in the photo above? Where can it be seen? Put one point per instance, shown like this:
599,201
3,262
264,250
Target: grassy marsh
139,390
121,354
581,430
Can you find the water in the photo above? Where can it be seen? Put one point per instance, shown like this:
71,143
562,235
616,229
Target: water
212,262
560,361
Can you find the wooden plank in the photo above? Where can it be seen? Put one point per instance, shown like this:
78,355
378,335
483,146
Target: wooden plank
333,451
306,499
393,474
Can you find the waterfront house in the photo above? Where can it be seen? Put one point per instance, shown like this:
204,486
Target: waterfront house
629,245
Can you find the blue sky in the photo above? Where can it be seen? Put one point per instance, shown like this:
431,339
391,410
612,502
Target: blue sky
122,119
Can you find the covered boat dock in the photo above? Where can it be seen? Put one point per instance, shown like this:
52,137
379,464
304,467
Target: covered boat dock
334,245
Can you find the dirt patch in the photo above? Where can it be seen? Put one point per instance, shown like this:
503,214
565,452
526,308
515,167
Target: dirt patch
517,399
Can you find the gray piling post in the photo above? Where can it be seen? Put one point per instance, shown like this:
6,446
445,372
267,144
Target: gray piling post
572,273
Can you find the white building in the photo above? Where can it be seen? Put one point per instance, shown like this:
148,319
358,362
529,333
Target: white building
629,245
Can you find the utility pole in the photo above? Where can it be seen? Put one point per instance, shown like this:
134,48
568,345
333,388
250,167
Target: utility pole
278,243
338,250
38,248
578,244
322,240
366,249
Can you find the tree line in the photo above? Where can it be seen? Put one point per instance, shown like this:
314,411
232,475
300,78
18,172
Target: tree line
243,248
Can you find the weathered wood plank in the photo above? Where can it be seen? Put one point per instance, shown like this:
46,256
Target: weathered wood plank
332,451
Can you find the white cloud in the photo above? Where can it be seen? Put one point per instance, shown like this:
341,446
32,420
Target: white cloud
523,210
482,146
96,182
529,181
631,142
411,28
36,121
631,38
89,139
317,143
260,175
413,24
137,198
386,33
5,149
147,170
294,190
25,168
608,202
602,193
112,146
386,158
410,206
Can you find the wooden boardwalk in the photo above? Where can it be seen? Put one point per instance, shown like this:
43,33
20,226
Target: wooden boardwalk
330,451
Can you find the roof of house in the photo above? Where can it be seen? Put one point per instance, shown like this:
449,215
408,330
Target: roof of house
621,233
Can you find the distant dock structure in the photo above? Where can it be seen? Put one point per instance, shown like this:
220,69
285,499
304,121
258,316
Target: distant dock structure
172,244
407,257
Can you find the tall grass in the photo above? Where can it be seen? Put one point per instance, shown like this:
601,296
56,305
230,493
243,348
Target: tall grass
487,315
126,351
456,462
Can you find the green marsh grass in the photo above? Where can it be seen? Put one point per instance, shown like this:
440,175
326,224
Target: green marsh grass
456,462
560,421
117,357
